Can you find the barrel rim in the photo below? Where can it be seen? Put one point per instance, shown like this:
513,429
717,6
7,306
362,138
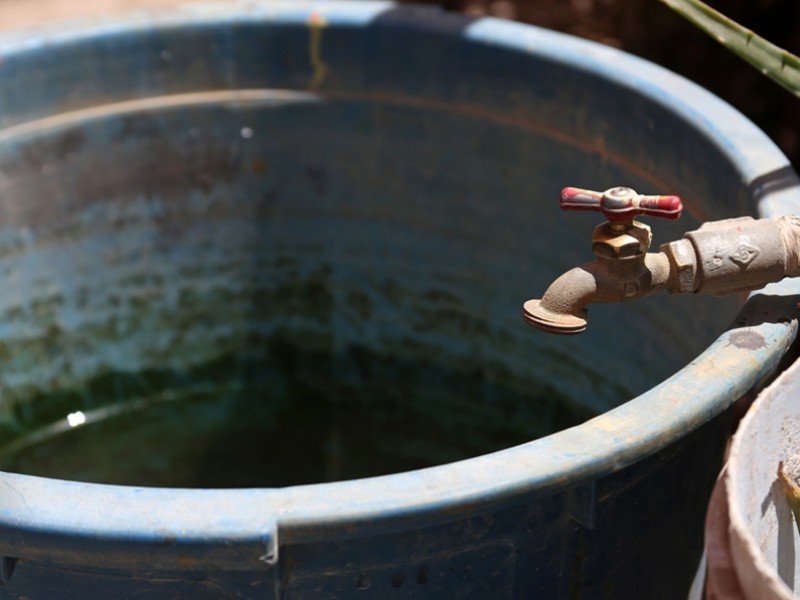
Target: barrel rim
41,517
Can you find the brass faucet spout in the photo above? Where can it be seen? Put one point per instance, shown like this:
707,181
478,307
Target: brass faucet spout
562,308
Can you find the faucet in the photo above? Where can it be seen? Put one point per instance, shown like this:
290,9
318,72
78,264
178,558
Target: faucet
721,257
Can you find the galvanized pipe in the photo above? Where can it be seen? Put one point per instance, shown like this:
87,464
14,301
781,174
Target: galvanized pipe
733,255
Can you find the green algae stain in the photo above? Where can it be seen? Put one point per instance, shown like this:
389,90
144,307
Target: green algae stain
279,415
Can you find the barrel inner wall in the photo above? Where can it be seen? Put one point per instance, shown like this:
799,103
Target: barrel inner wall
295,289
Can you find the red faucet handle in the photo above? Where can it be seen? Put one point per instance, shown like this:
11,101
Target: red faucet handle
621,204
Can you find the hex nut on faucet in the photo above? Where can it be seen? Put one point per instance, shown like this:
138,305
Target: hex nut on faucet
683,262
628,243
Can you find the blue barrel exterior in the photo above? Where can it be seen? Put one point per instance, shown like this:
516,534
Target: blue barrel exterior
612,508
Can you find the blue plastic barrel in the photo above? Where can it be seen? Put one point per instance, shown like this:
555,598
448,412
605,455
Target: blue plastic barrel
323,218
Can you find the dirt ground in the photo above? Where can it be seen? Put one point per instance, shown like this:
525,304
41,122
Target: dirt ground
644,27
29,13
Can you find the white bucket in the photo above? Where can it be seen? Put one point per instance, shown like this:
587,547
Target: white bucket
763,539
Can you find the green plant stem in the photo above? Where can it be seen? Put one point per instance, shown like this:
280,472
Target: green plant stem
776,63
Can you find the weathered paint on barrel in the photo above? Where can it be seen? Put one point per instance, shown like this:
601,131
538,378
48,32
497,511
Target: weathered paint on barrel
159,175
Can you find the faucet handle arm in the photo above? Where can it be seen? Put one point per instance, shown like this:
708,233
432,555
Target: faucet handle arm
666,207
573,198
621,204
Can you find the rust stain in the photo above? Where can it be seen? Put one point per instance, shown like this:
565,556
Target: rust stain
187,562
747,340
595,145
62,115
259,166
316,23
